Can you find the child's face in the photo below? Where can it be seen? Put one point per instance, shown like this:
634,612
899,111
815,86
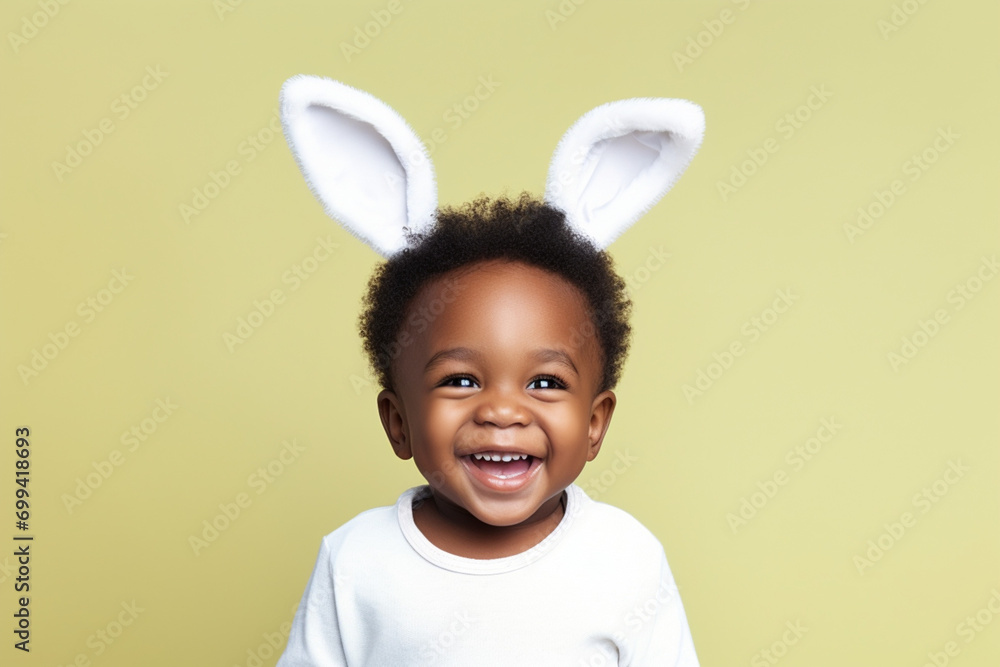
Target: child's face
479,378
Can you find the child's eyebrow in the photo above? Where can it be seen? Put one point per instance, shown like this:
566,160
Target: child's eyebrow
457,353
558,356
468,354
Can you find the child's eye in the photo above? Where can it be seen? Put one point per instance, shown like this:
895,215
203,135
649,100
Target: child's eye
551,382
461,381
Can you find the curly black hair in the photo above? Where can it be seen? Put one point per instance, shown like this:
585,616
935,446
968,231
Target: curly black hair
526,230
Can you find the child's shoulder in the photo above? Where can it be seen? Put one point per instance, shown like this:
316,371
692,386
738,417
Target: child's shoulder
371,533
369,527
608,522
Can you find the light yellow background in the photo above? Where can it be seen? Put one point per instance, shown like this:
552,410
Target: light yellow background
301,375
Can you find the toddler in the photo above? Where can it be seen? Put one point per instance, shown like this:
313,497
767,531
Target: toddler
497,330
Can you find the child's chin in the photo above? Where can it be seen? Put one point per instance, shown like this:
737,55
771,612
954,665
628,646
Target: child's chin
503,515
503,519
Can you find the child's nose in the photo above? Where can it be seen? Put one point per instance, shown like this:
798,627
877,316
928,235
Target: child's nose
502,407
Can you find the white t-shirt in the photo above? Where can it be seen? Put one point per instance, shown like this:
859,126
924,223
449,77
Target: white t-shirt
596,591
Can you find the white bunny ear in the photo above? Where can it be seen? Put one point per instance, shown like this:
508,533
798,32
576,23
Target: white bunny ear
619,159
361,159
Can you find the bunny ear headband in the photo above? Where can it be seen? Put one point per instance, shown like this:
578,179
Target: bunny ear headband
373,174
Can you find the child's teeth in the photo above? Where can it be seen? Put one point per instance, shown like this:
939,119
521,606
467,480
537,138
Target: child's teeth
506,458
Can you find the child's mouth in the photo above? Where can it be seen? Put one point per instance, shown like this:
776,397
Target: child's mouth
491,470
500,465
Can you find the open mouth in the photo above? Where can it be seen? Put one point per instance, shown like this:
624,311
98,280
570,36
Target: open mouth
504,472
503,465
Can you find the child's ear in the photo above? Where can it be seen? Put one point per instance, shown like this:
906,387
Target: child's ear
619,159
600,418
361,159
394,423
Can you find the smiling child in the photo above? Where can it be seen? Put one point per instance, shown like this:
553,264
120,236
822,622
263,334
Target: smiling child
498,331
